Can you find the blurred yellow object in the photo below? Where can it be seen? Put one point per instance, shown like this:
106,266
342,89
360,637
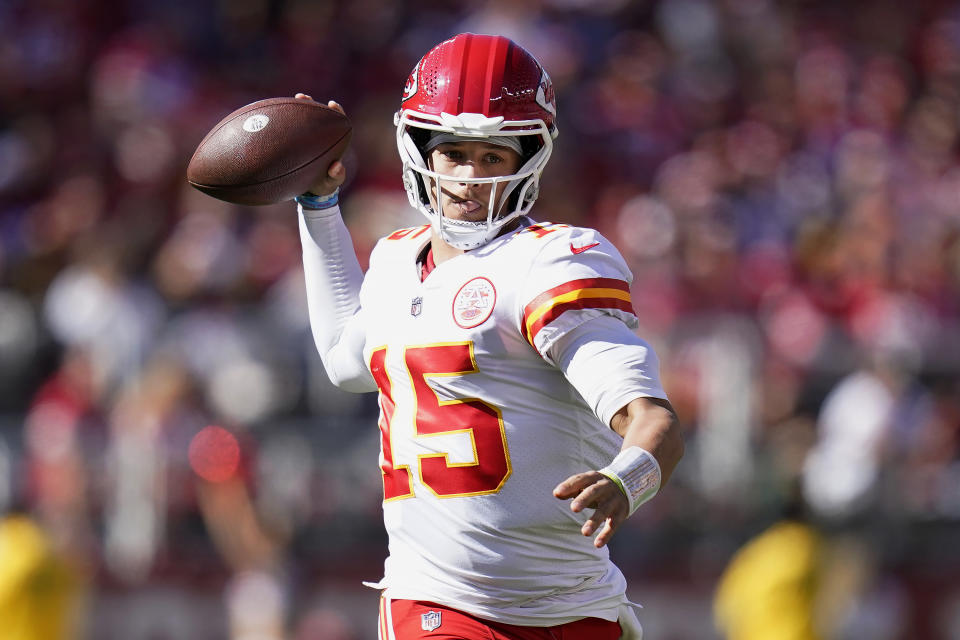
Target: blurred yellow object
768,591
37,588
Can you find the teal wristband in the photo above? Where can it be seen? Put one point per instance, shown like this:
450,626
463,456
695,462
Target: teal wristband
316,203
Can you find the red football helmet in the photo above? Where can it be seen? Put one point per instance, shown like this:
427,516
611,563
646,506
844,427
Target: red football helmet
477,87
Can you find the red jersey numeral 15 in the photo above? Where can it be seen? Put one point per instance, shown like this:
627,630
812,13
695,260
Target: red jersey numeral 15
481,420
396,480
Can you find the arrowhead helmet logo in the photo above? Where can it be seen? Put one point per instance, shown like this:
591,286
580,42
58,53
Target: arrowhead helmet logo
410,89
546,97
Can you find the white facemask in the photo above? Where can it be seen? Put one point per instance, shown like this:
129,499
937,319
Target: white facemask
418,178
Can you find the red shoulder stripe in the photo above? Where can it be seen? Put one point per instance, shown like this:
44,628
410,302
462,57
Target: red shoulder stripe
583,283
587,293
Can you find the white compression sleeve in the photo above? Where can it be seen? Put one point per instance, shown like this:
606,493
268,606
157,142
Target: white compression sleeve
608,364
333,277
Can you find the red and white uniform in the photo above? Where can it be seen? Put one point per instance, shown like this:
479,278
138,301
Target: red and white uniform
489,398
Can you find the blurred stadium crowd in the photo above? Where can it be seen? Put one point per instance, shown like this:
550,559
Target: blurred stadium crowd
783,177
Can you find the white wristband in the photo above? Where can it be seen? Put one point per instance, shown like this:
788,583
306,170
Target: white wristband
637,473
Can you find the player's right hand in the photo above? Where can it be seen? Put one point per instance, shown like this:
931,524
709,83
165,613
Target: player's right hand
336,172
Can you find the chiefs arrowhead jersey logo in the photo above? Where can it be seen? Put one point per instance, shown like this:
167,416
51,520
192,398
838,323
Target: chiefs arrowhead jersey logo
474,303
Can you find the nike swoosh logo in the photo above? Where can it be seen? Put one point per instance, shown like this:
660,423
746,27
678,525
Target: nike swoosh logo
575,250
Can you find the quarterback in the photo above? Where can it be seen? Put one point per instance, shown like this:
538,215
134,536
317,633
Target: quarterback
509,375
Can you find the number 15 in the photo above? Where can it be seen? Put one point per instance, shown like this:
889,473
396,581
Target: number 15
480,419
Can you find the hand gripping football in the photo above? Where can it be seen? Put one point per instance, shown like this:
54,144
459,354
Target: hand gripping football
269,151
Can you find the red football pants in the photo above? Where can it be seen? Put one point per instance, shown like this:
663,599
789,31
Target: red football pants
417,620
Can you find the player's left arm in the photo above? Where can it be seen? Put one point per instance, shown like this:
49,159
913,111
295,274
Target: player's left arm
649,427
584,324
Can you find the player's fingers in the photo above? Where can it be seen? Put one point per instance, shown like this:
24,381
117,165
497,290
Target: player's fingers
617,512
573,485
593,523
604,505
333,104
606,517
589,498
337,171
302,96
336,175
610,526
600,490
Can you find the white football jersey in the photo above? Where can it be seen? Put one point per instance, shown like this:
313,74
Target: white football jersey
478,427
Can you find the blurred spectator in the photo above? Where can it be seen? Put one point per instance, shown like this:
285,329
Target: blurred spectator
843,467
40,592
769,591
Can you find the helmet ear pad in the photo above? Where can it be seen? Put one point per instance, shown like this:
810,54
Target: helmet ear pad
529,146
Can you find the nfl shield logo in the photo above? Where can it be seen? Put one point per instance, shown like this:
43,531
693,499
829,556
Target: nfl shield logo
429,620
416,306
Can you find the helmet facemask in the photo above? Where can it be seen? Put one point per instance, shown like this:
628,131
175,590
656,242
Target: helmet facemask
510,196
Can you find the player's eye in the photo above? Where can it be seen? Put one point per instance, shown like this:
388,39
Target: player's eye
454,155
493,158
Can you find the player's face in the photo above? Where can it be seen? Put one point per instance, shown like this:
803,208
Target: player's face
469,160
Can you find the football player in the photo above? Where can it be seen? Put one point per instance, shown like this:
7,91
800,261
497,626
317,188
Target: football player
509,375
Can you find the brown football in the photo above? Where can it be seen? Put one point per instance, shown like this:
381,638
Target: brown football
268,151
